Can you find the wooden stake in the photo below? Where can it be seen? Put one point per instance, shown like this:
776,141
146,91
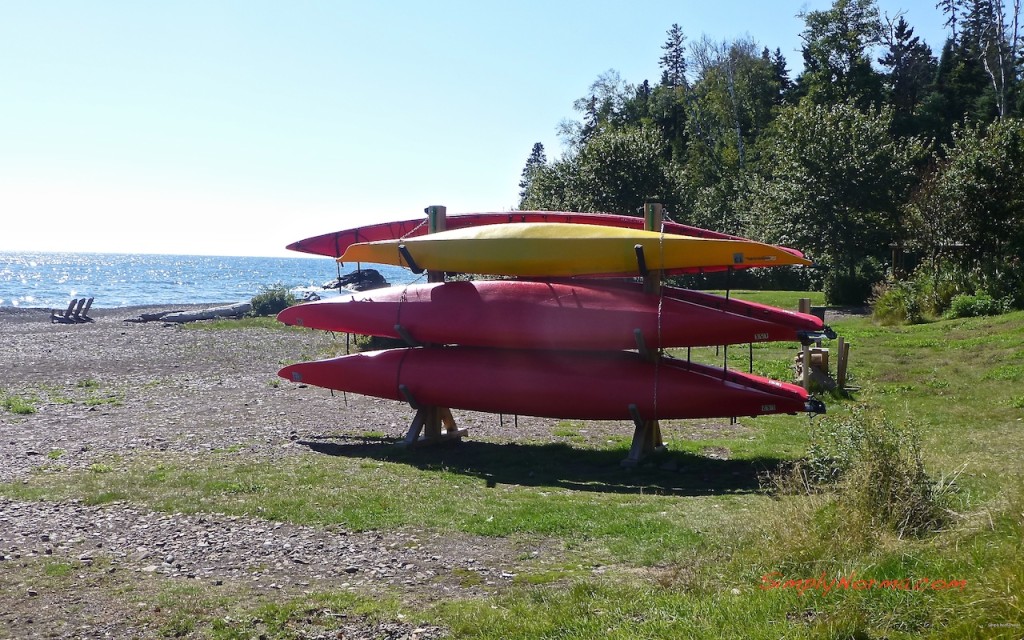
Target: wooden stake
844,354
805,363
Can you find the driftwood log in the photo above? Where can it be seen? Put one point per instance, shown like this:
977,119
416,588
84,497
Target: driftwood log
226,311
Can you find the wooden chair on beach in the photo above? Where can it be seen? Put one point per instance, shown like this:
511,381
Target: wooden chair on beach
81,314
57,316
77,311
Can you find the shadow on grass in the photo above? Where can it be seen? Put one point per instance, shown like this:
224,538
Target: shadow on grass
560,465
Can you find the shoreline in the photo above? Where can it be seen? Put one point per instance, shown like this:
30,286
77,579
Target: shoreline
42,314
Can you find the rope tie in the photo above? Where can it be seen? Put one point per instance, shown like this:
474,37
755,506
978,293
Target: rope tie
661,302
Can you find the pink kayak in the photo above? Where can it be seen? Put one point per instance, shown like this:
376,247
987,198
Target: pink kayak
557,384
580,314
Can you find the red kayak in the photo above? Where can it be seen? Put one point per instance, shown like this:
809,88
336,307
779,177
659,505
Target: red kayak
334,244
521,314
616,385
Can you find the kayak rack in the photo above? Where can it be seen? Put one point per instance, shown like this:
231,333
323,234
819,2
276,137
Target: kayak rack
430,425
647,438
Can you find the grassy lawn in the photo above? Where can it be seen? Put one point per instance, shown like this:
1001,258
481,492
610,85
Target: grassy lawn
691,544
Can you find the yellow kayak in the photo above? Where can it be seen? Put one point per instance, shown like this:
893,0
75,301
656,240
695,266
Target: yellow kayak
559,249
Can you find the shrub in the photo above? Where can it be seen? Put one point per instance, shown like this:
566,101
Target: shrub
877,469
896,301
967,306
272,300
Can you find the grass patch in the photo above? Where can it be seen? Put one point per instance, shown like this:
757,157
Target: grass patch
568,430
551,495
112,399
19,405
782,299
57,569
246,322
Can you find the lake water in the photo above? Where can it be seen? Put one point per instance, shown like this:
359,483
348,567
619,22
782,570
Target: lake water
51,280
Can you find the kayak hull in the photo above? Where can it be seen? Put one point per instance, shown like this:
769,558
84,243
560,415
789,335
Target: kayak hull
553,384
333,244
561,250
581,315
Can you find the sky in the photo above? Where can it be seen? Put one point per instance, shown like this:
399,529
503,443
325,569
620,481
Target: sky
236,127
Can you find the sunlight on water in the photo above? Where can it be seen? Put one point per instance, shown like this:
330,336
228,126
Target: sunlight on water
51,280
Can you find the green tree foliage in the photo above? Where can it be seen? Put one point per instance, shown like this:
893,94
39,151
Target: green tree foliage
971,212
603,107
990,34
732,102
831,181
911,70
781,72
827,162
837,67
615,171
958,93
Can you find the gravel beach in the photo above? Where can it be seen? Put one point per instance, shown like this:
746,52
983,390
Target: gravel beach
185,392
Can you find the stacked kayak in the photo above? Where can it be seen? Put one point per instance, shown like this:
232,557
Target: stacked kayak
589,385
560,315
549,249
575,348
334,244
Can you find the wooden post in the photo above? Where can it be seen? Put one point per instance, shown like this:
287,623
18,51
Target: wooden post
437,221
647,435
805,362
433,424
844,354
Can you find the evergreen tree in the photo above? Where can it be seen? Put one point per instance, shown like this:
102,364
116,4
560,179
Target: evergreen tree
780,72
911,72
636,110
673,61
958,93
950,8
534,163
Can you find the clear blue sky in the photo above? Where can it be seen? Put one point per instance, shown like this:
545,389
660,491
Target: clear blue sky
237,127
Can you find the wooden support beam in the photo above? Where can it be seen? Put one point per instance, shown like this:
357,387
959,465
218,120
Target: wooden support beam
431,424
647,435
